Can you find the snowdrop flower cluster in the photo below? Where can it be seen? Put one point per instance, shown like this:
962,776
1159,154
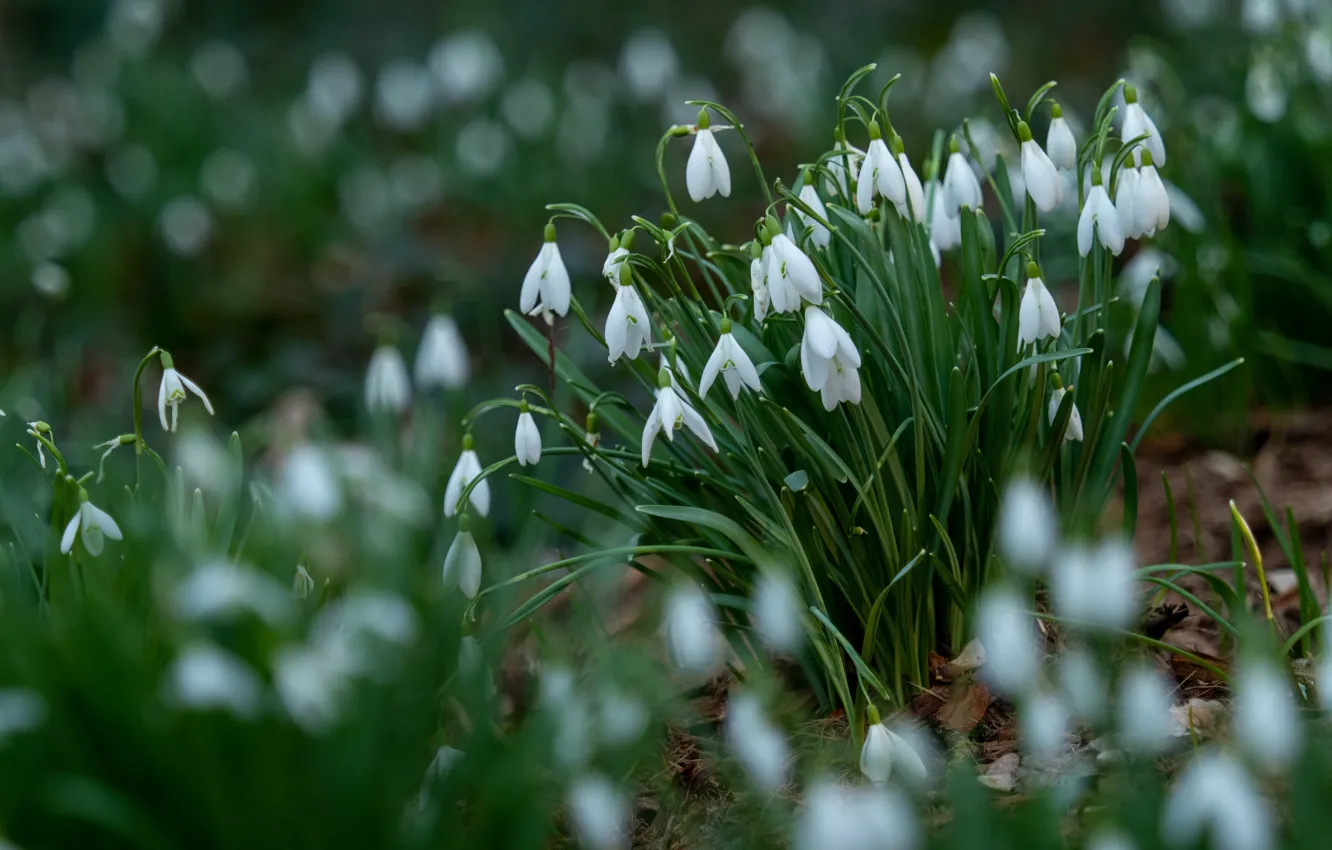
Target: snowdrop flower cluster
1141,200
707,173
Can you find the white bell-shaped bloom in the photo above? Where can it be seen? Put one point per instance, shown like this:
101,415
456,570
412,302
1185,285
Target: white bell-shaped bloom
945,227
546,285
758,285
462,563
1082,684
1074,431
1267,718
839,817
1143,710
1126,201
92,525
1028,528
960,186
628,328
885,751
829,359
1100,216
1153,202
441,361
707,173
308,483
1038,317
821,235
669,414
1060,145
469,467
837,168
1007,632
912,207
789,275
731,362
600,813
1043,723
527,438
1214,796
302,584
691,629
1137,122
172,392
387,386
1039,175
1094,588
759,745
776,610
610,269
880,174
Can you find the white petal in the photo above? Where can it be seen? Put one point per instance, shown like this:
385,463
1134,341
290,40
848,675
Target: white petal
795,266
915,193
876,756
527,298
866,184
1085,224
745,367
846,348
721,172
699,176
457,481
960,187
1049,313
889,173
812,366
1029,316
67,539
1061,146
1126,202
617,322
650,429
670,408
194,388
821,235
713,367
694,422
1074,431
162,403
1039,175
100,519
555,288
1108,227
820,333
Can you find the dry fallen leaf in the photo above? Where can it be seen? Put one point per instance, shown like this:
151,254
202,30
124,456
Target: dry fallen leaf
1202,716
1001,774
965,706
971,657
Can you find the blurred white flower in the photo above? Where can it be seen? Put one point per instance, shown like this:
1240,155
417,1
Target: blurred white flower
1082,684
546,285
482,146
1028,528
334,88
362,632
777,611
1137,122
648,63
1260,17
311,686
441,361
51,280
885,751
559,694
759,745
21,710
221,590
820,235
219,69
945,231
308,483
467,468
302,585
622,716
1110,838
1006,630
1038,316
186,226
444,761
204,677
387,386
691,629
1060,145
1318,52
1039,175
462,563
1144,710
730,361
706,173
829,360
1214,796
528,107
1094,588
134,25
1266,715
837,817
1265,91
92,525
669,414
600,813
466,65
403,95
228,178
880,174
1044,723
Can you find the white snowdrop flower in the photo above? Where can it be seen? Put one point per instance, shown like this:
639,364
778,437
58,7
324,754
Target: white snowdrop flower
1100,216
363,631
186,226
462,563
758,285
1082,684
1138,272
1039,175
885,751
1005,629
600,813
960,186
446,758
204,677
829,359
1137,122
1153,204
838,164
468,467
526,438
1126,201
387,386
92,525
1143,710
789,275
1060,145
820,235
1043,720
1267,718
466,65
623,718
759,745
691,630
706,173
880,174
628,326
222,591
308,484
559,695
546,284
302,585
837,817
1094,588
311,686
334,88
1074,429
610,269
1184,209
1028,528
441,361
1318,52
945,228
731,362
669,414
912,207
1214,796
776,611
403,96
1038,317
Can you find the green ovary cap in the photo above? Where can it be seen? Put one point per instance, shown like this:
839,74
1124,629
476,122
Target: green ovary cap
550,231
1024,132
1033,270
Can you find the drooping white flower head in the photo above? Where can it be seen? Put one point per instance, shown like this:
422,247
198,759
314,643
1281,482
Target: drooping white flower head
945,227
669,414
302,584
1039,175
776,612
172,392
880,174
92,525
308,484
838,164
1028,528
820,236
838,817
1094,588
960,186
731,362
1126,201
628,328
469,467
387,386
441,361
1060,145
1043,720
1214,796
758,282
1143,710
1267,719
758,744
205,677
1038,317
691,629
707,173
912,207
1137,122
444,761
788,273
1006,630
546,287
885,752
559,694
600,813
1074,429
829,360
1153,202
619,250
462,563
1082,684
527,439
